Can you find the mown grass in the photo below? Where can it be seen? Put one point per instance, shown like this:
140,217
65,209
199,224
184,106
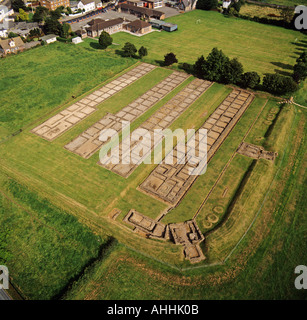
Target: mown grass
190,204
262,267
36,81
200,31
48,247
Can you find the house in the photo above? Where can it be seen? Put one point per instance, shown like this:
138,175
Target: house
98,4
86,5
3,33
159,24
140,12
5,12
76,40
137,3
49,38
81,33
99,25
23,28
138,26
53,4
12,45
153,4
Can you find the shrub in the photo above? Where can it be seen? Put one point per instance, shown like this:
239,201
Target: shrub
207,4
169,59
105,40
129,50
143,52
278,84
250,80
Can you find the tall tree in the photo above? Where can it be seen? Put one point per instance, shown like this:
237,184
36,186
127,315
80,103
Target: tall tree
143,52
169,59
105,40
129,50
199,67
18,4
215,65
40,14
300,68
233,71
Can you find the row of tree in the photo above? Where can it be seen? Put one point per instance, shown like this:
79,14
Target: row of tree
220,68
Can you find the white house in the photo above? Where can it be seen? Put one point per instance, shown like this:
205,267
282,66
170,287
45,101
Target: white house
76,40
49,38
3,33
5,12
86,5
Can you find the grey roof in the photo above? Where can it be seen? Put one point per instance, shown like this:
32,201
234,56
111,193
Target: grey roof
48,37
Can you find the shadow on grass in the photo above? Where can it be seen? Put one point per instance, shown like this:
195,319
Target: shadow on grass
95,45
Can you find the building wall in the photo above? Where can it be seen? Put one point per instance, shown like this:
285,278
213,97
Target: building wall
88,7
53,4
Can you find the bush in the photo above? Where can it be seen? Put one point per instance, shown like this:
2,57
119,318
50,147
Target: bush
143,52
250,80
105,40
215,65
169,59
129,50
300,68
278,84
233,71
207,4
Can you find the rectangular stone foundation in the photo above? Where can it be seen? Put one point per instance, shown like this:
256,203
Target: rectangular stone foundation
170,182
69,117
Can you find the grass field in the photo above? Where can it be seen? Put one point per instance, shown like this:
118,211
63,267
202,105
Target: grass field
200,31
56,204
36,81
48,247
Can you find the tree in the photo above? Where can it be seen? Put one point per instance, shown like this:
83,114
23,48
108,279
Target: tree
300,68
169,59
206,4
35,33
65,30
53,26
215,65
56,14
23,15
105,40
237,5
250,80
233,71
199,67
129,50
278,84
18,4
143,52
287,14
12,35
40,14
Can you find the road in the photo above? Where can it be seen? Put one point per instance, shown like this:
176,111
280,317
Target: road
4,295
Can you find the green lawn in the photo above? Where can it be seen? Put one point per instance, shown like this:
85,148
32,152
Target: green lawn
48,247
261,48
37,81
48,185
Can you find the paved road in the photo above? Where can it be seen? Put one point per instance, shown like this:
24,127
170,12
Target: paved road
4,295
